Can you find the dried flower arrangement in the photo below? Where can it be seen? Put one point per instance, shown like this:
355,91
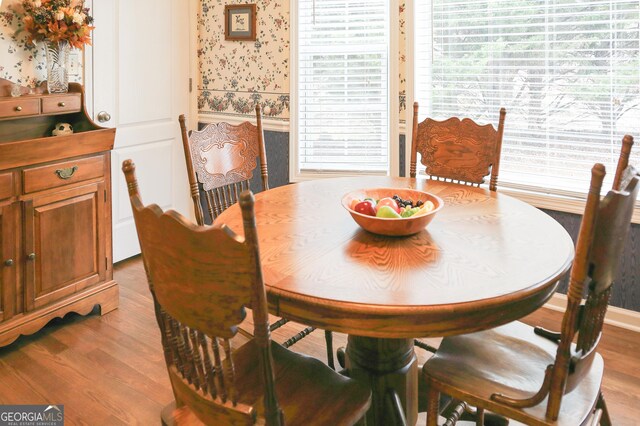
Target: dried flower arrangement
58,20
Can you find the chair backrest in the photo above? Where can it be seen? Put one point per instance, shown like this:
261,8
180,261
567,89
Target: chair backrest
455,150
601,240
623,160
221,159
201,279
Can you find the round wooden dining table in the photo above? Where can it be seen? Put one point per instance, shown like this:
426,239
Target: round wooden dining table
486,259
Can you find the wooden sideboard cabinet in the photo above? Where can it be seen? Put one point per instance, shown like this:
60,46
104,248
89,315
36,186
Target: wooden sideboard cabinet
55,212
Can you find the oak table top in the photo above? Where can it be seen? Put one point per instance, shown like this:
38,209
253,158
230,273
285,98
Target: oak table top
485,259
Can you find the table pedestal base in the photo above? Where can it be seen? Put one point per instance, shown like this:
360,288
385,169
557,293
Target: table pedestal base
390,368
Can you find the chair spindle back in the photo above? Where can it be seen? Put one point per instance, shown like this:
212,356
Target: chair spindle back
221,159
601,239
201,279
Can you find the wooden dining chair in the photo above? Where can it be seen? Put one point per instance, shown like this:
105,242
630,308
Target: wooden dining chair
533,375
201,279
221,160
459,151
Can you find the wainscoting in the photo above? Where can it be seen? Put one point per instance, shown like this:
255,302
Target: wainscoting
626,293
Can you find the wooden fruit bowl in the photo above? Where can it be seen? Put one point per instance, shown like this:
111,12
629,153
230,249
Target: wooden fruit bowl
392,226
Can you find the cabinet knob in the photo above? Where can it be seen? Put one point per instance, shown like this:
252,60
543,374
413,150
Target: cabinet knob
103,116
8,262
61,104
18,108
31,256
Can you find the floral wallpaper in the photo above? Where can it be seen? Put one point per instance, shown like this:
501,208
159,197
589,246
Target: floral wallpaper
22,62
235,75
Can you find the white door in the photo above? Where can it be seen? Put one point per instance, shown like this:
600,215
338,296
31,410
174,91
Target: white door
138,81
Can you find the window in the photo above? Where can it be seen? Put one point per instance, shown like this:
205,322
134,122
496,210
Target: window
341,85
567,71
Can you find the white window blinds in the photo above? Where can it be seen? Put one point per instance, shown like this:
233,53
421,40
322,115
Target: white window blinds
567,71
342,86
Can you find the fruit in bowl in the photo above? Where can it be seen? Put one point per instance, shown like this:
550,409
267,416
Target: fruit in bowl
392,211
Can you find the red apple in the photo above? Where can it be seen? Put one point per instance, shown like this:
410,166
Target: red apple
388,202
365,207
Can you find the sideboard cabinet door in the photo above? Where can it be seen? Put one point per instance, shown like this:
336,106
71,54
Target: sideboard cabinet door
64,243
8,262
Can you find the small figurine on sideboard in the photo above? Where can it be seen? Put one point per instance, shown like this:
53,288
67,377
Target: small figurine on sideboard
62,129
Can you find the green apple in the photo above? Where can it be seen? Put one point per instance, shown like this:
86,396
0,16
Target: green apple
387,212
410,212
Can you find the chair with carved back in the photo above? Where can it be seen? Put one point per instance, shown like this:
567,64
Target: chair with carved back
533,375
221,159
459,151
201,279
455,150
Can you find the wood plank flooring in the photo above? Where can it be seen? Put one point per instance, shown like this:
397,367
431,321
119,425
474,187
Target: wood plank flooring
110,370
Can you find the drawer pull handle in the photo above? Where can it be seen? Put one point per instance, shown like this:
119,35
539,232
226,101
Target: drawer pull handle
66,173
18,108
31,256
61,104
8,262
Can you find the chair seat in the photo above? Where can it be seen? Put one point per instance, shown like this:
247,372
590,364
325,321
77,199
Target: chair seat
309,392
510,360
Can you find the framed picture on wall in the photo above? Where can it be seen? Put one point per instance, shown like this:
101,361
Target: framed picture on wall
240,22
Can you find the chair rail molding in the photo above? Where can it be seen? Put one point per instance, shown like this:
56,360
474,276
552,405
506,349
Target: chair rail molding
271,124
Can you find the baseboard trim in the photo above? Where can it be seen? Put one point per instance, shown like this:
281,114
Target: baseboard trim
619,317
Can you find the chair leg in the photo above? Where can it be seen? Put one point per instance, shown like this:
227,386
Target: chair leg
480,417
342,357
605,420
433,402
328,337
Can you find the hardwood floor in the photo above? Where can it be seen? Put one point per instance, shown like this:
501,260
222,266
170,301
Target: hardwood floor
110,370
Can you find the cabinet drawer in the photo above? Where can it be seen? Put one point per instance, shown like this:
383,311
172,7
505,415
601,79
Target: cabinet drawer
19,107
6,185
62,103
63,173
